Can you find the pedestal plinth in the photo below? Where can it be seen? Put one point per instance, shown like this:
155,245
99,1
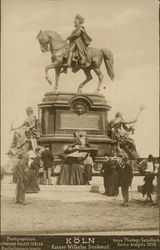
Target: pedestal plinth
62,114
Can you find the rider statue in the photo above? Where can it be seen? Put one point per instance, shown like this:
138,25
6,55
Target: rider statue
79,40
76,54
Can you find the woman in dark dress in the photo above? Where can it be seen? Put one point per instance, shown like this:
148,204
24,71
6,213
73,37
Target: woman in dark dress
113,176
64,176
77,172
33,174
72,171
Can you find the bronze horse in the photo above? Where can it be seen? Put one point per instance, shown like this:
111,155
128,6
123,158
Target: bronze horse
51,41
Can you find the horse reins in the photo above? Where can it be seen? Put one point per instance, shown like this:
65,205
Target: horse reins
60,47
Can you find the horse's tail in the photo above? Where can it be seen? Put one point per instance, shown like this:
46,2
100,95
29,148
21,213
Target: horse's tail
108,60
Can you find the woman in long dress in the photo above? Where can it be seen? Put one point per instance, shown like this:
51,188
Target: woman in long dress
64,177
113,176
33,174
77,172
72,172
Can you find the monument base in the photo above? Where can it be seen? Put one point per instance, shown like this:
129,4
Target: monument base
61,114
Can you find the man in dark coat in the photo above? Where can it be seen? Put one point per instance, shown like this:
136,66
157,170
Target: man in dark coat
21,178
79,40
126,176
105,171
47,158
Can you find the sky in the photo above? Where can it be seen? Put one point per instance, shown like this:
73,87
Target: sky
129,28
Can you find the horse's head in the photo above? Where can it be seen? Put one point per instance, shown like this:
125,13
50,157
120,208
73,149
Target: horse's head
49,40
43,39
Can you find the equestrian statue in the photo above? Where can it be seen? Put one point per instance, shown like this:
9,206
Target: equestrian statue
75,54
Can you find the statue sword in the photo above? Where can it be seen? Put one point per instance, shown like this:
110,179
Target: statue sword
139,112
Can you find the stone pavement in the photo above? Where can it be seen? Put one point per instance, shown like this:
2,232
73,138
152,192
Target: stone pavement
69,193
62,198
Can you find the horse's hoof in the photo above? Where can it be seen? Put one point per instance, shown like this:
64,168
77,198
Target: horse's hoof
50,83
48,80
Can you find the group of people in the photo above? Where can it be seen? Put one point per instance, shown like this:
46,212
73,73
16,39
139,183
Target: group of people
34,169
77,163
76,169
28,170
117,172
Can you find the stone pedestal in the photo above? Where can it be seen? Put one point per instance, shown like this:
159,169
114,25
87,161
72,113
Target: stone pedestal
61,114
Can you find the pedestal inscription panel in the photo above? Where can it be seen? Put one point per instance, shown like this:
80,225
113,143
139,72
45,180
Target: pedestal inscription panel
86,122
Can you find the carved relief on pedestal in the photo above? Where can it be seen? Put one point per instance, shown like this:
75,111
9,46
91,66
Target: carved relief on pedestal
79,107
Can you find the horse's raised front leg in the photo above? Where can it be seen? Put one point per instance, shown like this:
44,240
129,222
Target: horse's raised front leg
57,74
88,78
100,77
47,68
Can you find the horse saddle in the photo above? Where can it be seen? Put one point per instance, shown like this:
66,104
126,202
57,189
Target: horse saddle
76,60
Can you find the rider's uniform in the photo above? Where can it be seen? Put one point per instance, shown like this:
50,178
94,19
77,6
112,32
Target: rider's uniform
79,40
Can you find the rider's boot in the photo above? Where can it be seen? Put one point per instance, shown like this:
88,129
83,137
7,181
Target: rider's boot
69,60
64,70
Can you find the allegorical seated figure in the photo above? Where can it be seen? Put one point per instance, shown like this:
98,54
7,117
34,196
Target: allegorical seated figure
81,139
27,130
123,134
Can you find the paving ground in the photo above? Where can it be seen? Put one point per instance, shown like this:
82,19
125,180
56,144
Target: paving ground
73,209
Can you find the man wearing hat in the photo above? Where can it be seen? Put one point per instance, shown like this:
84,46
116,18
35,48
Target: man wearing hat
20,172
147,188
105,173
47,159
126,176
79,40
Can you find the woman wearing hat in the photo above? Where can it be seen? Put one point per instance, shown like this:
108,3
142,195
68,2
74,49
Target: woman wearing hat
33,173
79,40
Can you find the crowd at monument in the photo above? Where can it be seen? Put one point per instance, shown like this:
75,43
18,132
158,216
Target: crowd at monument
117,172
76,169
36,167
